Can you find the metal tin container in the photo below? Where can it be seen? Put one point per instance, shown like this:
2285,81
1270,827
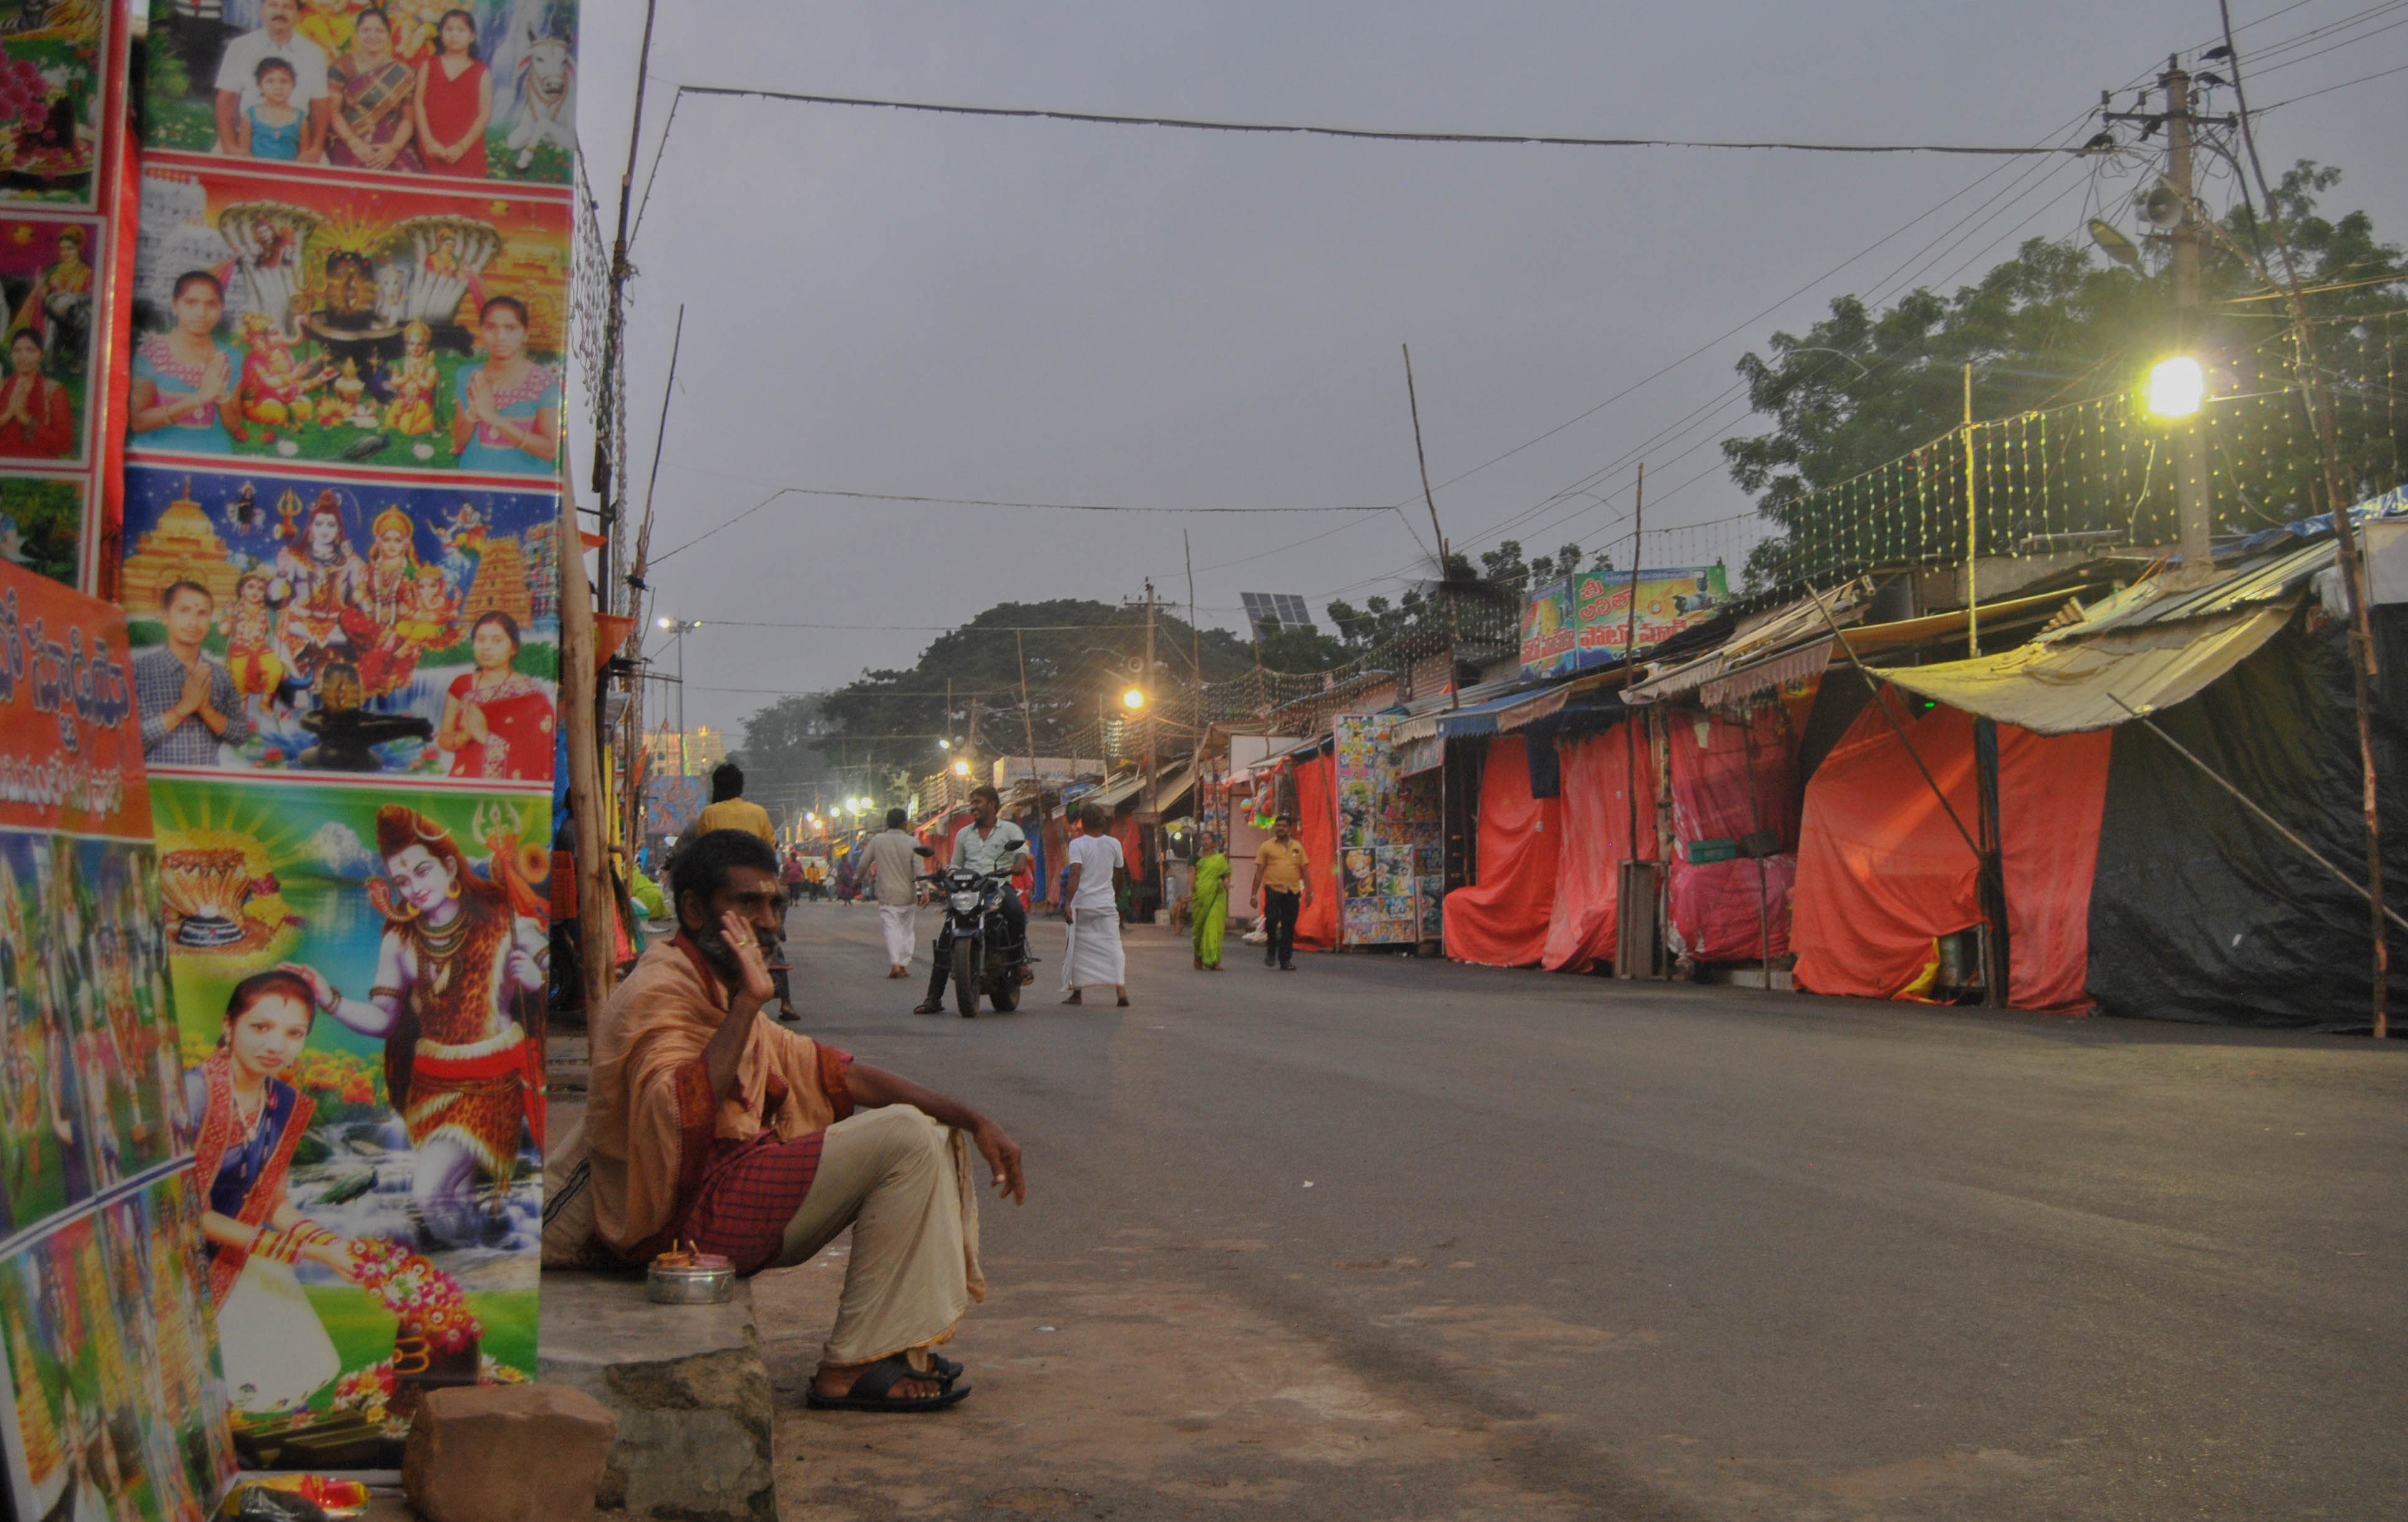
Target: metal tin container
689,1286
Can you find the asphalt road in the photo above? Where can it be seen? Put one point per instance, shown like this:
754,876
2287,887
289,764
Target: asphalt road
1388,1239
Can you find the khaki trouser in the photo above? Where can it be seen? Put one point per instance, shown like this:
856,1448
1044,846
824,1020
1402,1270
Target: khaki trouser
902,1182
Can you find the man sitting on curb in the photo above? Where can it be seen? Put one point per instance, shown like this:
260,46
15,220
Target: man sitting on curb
709,1126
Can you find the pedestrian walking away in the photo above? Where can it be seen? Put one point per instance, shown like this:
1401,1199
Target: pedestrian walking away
894,869
1090,953
988,844
729,809
710,1125
1282,889
1207,901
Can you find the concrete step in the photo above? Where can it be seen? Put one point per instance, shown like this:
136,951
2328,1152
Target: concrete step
688,1386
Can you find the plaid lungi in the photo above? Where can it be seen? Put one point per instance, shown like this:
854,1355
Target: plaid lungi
749,1190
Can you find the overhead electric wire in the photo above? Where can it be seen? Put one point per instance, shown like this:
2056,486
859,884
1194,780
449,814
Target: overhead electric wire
2364,79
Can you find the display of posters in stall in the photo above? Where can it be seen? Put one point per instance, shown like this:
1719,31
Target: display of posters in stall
111,1393
1578,622
1390,842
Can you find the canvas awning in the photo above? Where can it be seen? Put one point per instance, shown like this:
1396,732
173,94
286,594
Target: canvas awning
2066,685
1456,723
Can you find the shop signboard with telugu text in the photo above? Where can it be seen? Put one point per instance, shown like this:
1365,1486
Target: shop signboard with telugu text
1577,622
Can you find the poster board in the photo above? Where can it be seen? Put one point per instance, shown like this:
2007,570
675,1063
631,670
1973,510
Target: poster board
1575,623
111,1393
1390,843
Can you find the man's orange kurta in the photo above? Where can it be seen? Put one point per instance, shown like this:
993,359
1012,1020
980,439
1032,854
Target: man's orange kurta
650,1125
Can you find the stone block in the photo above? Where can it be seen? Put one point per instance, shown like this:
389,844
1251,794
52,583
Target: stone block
688,1386
508,1453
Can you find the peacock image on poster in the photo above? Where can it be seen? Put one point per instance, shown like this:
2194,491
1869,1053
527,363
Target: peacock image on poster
378,323
359,970
484,90
345,623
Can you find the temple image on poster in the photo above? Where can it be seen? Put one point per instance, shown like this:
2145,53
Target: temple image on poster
351,625
51,91
359,975
42,525
348,321
91,1085
484,91
47,278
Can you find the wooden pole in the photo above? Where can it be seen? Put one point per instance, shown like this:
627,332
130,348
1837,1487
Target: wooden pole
1027,715
1445,566
1972,602
596,943
1629,651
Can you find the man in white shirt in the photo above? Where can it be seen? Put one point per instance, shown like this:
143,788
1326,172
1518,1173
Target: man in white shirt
238,83
1093,957
988,844
893,864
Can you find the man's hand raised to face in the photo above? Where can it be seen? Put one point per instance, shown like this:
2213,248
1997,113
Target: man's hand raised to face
755,987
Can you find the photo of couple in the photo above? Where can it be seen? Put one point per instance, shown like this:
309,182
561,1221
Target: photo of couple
406,87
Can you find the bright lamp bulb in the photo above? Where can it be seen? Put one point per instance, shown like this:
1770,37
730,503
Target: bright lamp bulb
2177,387
1134,698
662,621
961,768
944,744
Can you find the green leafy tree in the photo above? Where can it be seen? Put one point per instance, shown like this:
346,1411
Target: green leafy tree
2053,325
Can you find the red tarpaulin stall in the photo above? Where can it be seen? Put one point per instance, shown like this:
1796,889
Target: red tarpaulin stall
1596,824
1731,780
1881,870
1503,919
1316,828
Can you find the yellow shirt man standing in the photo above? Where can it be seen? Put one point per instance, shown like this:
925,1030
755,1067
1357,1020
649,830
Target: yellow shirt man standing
1283,888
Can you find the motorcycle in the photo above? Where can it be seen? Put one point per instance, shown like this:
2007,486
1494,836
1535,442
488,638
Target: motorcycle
985,957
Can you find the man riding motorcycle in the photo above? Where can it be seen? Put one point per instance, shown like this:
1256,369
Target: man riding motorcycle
987,843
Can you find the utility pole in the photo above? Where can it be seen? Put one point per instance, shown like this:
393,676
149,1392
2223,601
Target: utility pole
1146,687
1630,653
1027,714
1972,527
1445,565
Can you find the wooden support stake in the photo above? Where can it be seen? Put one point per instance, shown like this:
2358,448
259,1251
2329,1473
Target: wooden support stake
597,943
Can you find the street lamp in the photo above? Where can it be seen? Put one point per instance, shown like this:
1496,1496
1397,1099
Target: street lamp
679,628
2177,387
961,768
1133,699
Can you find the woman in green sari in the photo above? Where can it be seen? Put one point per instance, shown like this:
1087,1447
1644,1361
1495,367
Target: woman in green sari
1207,904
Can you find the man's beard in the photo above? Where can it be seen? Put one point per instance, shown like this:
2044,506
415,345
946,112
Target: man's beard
720,956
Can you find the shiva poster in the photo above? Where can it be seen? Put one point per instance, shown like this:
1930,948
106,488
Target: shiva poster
348,623
355,321
53,86
359,971
486,90
48,281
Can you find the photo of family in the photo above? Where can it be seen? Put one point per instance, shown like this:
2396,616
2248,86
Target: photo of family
111,1370
359,975
423,87
42,525
91,1077
348,322
46,289
51,93
309,624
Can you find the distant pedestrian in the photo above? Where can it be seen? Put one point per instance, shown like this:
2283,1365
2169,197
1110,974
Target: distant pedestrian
1282,889
1207,901
894,867
1092,954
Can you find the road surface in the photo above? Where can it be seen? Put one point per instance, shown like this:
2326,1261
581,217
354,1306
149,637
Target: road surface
1390,1238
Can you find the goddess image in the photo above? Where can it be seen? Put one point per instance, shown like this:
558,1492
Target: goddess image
58,309
252,652
277,1353
414,382
384,658
496,722
460,956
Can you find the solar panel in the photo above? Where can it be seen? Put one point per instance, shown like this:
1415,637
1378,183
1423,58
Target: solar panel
1284,610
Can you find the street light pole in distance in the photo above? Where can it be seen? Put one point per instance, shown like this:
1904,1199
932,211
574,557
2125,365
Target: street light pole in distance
680,628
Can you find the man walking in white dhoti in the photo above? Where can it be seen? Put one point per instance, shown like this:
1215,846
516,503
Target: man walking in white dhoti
1091,904
893,866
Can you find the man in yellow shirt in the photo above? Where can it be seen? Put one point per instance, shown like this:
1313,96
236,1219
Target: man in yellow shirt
730,810
1283,888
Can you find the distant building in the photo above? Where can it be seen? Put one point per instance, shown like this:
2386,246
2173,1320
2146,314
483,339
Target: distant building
705,748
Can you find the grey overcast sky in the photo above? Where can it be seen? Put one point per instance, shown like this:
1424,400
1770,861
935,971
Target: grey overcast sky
945,306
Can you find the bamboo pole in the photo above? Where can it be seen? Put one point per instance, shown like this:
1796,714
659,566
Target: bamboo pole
595,894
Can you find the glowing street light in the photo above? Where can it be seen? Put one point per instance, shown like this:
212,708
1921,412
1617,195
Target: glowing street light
961,768
944,744
2177,387
1133,699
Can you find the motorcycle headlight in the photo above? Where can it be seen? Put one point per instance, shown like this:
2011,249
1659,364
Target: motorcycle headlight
964,902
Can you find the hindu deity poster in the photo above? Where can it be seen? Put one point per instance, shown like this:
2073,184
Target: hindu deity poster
365,323
111,1395
486,90
360,625
53,84
48,281
362,967
1388,838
